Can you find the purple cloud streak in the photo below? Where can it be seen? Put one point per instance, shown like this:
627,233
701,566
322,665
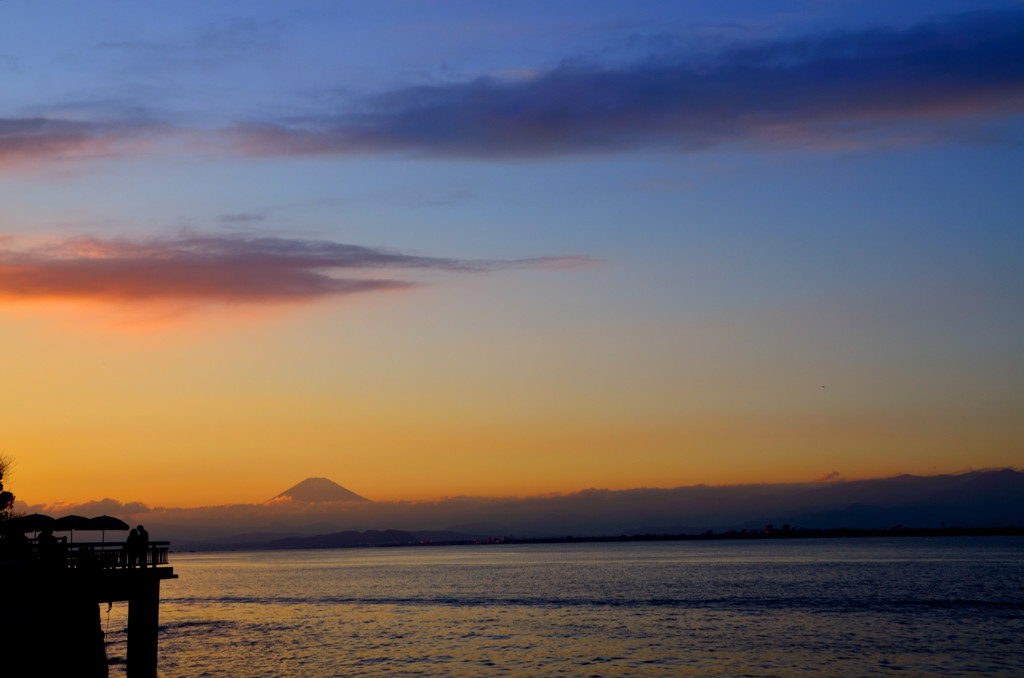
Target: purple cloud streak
235,269
28,140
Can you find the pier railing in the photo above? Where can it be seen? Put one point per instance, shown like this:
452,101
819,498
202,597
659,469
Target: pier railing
108,556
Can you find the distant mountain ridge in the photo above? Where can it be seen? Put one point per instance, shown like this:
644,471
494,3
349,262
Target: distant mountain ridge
992,498
353,538
317,491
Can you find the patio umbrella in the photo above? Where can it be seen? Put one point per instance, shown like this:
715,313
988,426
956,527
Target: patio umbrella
70,524
34,522
104,523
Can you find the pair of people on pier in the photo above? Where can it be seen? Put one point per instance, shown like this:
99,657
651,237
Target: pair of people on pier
135,548
50,550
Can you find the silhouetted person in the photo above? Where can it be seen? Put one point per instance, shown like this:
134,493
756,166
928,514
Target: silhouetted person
48,549
143,545
130,549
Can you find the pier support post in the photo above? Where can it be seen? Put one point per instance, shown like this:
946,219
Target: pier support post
143,623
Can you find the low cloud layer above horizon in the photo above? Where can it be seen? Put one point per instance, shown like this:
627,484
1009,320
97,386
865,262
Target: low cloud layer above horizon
218,268
818,91
986,498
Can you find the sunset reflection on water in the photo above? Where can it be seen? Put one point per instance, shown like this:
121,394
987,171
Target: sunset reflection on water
825,608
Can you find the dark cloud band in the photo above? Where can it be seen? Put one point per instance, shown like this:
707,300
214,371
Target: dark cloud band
790,93
869,87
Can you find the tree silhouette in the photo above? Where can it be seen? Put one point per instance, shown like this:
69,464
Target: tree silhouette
6,498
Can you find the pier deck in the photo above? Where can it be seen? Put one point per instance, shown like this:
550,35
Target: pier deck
53,588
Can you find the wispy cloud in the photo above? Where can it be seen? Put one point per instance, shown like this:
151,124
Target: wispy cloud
241,219
32,139
825,90
219,269
216,46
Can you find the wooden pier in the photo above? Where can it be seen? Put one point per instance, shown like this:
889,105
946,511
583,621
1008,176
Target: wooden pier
60,597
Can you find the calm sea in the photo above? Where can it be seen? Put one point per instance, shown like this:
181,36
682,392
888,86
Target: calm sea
853,607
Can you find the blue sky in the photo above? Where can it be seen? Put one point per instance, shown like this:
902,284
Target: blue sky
595,235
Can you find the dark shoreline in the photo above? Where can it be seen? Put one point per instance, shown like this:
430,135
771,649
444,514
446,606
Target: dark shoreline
840,533
397,539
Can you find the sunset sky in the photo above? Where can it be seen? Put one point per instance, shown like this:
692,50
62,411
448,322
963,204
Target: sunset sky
432,249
